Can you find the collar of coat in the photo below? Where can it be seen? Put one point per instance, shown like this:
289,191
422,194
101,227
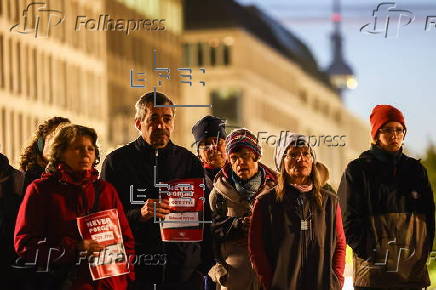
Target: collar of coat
383,155
65,175
142,145
225,188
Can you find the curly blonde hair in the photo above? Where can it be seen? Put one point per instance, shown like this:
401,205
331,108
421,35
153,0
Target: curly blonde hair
64,138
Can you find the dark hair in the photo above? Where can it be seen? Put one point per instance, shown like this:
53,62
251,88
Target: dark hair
147,99
32,155
64,138
4,166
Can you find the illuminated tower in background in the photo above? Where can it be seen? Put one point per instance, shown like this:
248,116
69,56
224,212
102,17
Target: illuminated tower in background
340,72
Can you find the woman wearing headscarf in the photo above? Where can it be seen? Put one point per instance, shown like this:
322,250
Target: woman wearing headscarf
388,209
47,227
296,238
35,156
236,186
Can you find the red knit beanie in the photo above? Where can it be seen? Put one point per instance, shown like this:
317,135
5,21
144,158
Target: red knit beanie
382,114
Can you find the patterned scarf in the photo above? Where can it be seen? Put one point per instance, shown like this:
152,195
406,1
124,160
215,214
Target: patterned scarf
248,188
303,188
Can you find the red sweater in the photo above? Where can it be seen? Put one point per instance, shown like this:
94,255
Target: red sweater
261,262
49,211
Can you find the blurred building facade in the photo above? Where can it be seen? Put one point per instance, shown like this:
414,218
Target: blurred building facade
132,60
260,76
82,74
253,72
41,77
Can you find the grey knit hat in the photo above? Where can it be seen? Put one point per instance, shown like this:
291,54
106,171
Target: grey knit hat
290,140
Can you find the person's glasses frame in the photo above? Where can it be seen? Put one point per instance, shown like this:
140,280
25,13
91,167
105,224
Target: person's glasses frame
391,131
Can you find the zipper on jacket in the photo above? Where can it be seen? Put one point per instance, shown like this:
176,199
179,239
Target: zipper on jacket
156,178
156,163
303,242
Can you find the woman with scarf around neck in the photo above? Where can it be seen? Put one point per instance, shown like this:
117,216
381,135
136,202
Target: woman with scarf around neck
388,209
236,186
296,237
46,228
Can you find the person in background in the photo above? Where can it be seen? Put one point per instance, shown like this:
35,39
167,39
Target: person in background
35,156
388,209
209,134
210,138
11,182
236,186
296,237
46,226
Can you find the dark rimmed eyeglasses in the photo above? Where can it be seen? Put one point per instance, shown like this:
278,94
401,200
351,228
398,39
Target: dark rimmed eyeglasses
391,131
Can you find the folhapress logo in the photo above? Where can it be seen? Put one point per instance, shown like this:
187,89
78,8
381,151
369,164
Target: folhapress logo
33,17
388,20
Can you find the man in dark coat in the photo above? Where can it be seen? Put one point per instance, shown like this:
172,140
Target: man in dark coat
210,138
388,210
11,181
134,169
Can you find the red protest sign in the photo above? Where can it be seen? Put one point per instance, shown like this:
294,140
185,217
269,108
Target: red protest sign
186,201
104,227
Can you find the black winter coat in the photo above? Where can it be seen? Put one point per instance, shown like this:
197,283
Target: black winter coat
10,199
131,170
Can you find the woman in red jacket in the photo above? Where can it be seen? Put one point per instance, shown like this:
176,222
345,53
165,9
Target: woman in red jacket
296,238
46,231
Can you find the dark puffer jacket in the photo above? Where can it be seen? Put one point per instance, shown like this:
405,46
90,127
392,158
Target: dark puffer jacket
389,223
131,170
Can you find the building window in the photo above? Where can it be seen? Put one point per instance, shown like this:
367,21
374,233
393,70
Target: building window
27,70
18,66
63,84
227,54
50,79
11,134
16,11
212,55
11,65
62,31
29,126
200,54
34,74
226,104
338,117
187,54
20,131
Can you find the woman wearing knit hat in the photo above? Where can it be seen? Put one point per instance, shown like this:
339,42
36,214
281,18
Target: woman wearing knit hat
296,239
388,209
241,179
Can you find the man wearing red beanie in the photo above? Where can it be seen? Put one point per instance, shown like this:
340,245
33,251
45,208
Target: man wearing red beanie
382,114
388,209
